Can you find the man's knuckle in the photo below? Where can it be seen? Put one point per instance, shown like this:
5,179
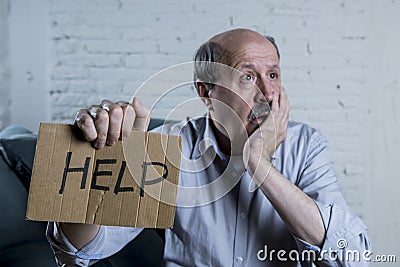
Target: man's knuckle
93,108
101,136
106,102
128,108
102,116
79,115
85,122
116,111
81,112
113,135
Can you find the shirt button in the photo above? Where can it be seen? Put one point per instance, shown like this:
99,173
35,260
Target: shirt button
243,215
239,259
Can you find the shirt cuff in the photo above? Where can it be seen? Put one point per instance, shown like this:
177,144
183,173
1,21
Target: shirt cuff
307,253
344,232
67,254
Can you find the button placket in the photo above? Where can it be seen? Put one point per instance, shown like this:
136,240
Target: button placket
241,232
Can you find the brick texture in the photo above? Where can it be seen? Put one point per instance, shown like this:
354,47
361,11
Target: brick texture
337,64
4,65
106,49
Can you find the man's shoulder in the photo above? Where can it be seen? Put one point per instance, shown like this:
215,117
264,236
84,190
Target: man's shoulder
301,142
174,127
193,127
303,132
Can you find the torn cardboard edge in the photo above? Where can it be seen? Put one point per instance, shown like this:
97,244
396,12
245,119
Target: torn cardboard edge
132,183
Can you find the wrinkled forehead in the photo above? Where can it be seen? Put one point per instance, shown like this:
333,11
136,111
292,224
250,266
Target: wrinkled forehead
242,47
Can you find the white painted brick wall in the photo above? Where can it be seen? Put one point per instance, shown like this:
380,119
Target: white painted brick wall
109,48
4,65
339,65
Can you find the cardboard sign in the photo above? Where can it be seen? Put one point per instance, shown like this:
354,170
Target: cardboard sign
74,182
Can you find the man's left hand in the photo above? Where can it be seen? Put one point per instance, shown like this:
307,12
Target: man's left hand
262,144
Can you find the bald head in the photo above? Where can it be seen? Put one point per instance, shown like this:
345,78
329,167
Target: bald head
222,48
234,39
235,35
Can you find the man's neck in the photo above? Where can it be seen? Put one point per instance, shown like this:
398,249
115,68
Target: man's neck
227,146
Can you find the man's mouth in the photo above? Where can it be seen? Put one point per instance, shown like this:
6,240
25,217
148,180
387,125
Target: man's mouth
259,111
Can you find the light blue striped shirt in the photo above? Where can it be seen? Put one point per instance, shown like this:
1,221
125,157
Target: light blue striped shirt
226,225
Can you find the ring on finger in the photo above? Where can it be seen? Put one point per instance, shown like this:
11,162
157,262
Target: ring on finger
106,108
93,110
123,103
105,105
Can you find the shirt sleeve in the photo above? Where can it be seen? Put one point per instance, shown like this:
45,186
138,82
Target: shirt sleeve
108,241
346,241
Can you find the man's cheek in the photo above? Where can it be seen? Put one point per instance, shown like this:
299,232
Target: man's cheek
278,87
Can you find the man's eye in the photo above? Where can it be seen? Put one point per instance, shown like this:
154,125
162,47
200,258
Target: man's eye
273,75
247,78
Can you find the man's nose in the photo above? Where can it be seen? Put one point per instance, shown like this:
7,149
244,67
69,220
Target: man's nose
265,90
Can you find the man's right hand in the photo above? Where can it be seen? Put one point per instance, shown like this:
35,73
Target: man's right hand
107,122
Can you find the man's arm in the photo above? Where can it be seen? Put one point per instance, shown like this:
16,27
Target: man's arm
105,124
100,124
106,242
311,204
79,234
296,209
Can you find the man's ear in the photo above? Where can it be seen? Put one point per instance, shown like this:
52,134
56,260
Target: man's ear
203,91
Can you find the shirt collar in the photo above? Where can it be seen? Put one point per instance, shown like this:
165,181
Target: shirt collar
208,141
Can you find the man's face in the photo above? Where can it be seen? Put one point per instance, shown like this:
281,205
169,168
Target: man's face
255,82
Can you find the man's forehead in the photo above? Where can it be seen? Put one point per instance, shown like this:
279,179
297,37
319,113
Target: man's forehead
246,65
237,36
237,43
253,55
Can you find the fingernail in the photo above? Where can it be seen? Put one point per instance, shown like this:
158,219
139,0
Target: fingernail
100,145
112,142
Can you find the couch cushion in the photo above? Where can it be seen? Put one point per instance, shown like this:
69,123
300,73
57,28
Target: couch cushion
21,241
18,149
